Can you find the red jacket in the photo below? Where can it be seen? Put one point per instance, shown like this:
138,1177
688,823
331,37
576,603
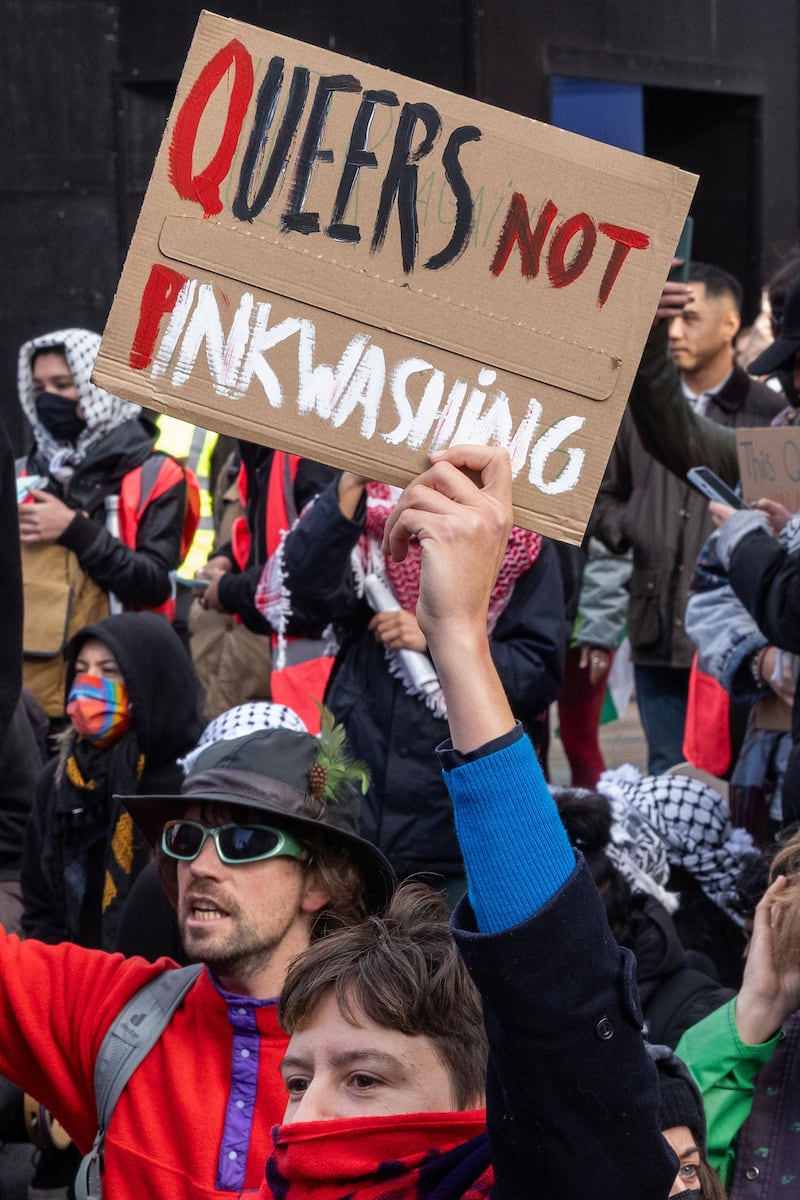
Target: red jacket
165,1138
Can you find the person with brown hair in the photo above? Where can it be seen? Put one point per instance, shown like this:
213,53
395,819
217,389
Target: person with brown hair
402,971
385,1067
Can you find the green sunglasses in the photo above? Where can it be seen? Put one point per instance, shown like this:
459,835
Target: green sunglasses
183,839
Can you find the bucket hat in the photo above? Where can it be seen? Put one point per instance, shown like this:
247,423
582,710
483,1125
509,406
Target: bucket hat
293,779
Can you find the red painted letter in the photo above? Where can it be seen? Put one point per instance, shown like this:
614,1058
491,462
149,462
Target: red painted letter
624,240
203,188
561,274
517,228
159,296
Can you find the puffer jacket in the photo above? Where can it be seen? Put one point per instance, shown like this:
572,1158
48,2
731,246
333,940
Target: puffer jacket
407,811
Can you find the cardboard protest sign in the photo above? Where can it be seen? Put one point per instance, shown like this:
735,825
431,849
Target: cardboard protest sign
342,262
769,464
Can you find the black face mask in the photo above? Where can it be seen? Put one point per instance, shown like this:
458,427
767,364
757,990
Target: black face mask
59,416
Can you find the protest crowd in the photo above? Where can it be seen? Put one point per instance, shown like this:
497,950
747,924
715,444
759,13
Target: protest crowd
290,904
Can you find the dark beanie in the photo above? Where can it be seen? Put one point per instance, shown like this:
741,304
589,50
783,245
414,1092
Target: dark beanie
680,1102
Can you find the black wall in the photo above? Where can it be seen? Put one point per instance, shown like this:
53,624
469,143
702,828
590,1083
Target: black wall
720,82
85,88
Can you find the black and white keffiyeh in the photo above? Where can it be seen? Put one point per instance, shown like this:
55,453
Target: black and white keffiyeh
689,818
240,720
102,412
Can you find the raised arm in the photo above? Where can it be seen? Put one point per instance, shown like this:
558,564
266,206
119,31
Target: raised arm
571,1094
462,522
670,431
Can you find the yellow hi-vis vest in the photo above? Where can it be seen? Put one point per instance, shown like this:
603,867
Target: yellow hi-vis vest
193,447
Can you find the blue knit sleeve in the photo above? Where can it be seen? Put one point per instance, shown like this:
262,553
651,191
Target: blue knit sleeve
515,850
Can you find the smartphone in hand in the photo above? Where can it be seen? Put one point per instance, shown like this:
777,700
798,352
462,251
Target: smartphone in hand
710,484
683,251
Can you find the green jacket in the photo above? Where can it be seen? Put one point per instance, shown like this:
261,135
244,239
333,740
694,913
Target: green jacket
725,1070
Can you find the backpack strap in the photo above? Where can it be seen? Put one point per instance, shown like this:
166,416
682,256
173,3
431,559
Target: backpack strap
128,1040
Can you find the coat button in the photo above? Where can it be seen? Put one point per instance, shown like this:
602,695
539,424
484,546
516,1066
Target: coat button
604,1029
751,1173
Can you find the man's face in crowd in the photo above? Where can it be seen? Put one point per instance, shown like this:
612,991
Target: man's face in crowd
702,336
51,374
333,1070
237,918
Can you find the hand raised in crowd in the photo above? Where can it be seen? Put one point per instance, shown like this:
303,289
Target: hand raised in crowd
597,660
674,297
459,511
45,520
770,989
398,630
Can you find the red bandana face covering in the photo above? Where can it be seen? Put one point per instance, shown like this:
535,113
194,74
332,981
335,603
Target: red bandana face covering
98,709
412,1157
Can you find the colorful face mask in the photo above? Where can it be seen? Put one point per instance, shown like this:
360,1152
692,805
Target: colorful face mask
99,709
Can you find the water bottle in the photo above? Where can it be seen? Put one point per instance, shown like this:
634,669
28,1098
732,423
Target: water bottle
112,525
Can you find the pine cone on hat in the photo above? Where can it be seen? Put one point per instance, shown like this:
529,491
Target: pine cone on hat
334,769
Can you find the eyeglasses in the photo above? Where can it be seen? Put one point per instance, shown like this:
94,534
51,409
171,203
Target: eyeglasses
235,843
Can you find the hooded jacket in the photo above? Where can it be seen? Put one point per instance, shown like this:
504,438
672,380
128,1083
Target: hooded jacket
81,852
674,994
116,440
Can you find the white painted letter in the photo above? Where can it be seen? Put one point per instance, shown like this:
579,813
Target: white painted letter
223,355
321,386
520,443
265,339
177,320
397,385
365,387
548,444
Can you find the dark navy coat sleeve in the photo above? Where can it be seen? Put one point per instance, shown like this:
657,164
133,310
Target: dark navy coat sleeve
571,1093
